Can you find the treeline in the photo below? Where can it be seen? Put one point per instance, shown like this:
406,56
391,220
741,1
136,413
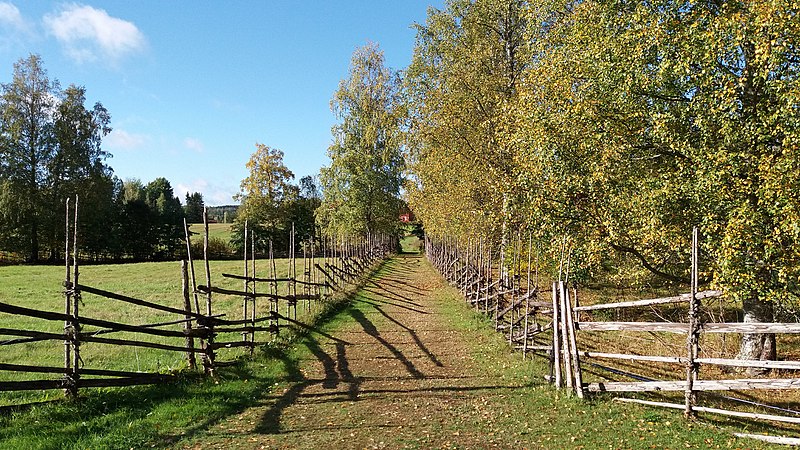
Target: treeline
50,150
358,193
609,129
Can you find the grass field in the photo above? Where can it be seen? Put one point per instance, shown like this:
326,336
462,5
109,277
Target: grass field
39,287
215,230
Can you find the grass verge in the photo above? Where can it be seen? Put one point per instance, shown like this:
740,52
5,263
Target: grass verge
539,416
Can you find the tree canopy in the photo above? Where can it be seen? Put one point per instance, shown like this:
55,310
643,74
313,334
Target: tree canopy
272,205
617,126
50,150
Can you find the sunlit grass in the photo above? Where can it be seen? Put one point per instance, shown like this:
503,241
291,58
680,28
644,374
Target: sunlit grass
39,287
215,230
147,416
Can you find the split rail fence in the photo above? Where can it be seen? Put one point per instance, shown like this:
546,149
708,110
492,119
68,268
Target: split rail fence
193,327
551,322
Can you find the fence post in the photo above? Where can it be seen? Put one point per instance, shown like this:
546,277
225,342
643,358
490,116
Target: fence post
273,289
573,342
556,354
208,361
293,269
187,305
76,299
253,300
246,283
501,287
693,338
203,343
527,300
565,347
67,307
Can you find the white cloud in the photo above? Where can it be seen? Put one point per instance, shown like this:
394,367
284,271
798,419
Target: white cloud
213,195
90,34
15,30
122,140
194,144
11,17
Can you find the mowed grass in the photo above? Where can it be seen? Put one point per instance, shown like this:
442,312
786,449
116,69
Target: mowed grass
39,287
215,230
144,416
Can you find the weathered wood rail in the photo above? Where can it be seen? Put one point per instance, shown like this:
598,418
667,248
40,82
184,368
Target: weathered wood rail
191,328
501,287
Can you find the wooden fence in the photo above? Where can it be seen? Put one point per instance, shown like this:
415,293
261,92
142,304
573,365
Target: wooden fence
191,328
552,323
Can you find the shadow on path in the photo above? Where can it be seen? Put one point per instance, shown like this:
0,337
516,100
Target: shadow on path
372,330
414,336
334,366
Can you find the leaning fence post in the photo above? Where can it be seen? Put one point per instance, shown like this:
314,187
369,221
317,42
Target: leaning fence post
692,340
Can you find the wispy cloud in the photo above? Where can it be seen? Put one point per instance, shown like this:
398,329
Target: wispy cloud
89,34
122,140
10,17
14,28
213,195
194,144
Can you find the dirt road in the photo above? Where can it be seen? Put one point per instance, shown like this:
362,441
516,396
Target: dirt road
395,374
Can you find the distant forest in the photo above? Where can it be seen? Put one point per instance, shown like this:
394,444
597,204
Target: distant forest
222,214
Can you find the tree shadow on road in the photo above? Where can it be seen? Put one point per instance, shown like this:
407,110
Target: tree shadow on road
373,331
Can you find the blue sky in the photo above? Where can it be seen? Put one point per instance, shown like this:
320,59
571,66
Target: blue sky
193,85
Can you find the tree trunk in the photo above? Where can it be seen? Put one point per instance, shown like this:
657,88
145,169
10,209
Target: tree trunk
757,346
34,250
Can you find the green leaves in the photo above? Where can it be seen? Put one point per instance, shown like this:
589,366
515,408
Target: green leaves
50,150
265,188
362,184
625,124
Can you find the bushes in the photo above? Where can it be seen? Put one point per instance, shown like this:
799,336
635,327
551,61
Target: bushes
217,249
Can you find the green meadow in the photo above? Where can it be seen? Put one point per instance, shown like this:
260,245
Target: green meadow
40,287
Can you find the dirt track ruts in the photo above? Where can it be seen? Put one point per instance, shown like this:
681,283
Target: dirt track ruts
396,374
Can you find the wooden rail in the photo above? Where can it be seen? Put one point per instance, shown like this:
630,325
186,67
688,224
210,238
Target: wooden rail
493,284
346,261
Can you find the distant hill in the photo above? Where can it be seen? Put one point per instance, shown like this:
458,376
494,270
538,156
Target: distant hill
223,214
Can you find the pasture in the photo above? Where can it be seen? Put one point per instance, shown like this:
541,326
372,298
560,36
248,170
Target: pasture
215,230
39,287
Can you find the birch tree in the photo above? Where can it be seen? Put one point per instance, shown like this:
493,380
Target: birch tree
361,186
